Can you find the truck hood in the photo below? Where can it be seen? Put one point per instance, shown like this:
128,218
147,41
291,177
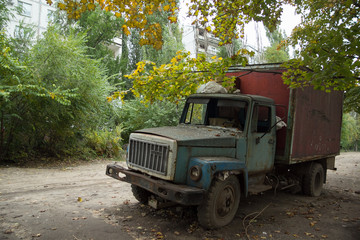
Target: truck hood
187,135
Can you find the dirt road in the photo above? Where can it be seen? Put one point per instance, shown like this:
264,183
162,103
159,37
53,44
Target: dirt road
82,203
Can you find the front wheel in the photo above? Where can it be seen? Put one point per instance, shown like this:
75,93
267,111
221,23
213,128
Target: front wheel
221,203
314,180
140,194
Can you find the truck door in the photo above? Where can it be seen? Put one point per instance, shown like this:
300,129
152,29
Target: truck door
261,140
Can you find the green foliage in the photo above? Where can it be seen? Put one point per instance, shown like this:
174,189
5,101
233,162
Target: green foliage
23,40
275,53
100,29
51,101
4,14
230,49
74,71
134,115
328,39
350,132
181,77
104,142
172,37
352,100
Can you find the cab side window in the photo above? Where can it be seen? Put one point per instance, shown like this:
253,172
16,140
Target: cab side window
261,121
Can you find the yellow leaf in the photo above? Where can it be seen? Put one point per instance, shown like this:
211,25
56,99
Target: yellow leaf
91,6
166,8
126,30
173,19
117,14
61,6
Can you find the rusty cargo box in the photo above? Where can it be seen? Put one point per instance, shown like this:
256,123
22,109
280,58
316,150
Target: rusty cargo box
313,117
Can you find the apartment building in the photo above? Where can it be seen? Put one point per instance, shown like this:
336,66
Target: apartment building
197,40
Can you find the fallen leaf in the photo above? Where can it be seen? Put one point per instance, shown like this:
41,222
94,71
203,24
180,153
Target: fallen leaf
79,199
9,231
176,233
313,223
324,236
37,235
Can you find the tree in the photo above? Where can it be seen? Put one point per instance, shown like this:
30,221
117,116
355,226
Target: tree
328,34
328,38
350,132
274,53
101,28
19,90
180,78
47,109
135,13
172,41
230,50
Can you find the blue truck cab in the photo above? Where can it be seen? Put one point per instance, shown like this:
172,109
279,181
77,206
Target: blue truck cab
223,144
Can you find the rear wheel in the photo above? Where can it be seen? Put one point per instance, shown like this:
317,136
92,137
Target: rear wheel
313,180
221,203
140,194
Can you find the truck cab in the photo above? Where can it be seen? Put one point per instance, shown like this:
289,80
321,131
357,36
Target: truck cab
223,144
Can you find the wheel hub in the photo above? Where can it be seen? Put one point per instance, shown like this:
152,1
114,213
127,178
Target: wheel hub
225,201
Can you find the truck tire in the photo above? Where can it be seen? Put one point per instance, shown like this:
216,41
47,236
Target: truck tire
140,194
313,180
220,204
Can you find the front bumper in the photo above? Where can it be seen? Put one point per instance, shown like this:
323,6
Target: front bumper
181,194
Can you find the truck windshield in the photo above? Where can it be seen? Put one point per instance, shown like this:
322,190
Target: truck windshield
216,112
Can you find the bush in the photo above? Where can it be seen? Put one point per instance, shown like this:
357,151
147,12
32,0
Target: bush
106,143
135,115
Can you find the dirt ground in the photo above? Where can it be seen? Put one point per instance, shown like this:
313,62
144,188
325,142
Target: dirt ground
81,202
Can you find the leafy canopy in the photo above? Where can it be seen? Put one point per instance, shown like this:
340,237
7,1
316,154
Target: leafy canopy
180,78
134,12
329,42
328,37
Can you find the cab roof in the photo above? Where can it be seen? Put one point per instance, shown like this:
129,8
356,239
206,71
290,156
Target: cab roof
247,97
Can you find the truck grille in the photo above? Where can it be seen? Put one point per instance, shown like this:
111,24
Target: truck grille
150,156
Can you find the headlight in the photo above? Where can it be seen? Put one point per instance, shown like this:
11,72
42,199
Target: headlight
195,173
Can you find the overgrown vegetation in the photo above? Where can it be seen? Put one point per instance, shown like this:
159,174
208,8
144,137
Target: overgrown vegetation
53,91
350,132
134,115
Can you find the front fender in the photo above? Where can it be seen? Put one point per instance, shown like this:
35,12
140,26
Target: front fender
212,165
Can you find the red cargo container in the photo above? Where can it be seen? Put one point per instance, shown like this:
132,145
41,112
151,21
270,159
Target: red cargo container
313,117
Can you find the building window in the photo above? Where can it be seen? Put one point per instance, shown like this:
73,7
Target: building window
201,32
25,9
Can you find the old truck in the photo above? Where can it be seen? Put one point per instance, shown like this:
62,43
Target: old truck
227,146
